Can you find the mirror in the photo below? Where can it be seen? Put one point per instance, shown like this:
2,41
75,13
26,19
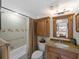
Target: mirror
63,26
77,22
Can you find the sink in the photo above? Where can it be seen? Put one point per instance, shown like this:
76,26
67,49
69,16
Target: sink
61,45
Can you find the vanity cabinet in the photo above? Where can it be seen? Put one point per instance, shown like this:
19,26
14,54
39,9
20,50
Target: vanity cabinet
42,26
59,53
65,57
51,55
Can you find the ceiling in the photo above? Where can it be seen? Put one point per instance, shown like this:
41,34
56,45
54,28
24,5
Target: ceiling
38,8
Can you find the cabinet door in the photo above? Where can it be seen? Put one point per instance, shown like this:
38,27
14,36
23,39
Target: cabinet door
40,28
78,56
65,57
52,55
47,56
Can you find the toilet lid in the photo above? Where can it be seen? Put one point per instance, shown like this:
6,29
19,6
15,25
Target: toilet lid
37,54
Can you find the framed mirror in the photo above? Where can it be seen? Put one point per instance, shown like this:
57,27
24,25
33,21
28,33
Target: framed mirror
77,22
63,26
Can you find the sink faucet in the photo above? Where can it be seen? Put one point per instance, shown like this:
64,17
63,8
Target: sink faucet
61,41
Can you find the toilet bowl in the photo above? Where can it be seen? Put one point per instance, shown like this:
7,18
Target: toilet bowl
39,54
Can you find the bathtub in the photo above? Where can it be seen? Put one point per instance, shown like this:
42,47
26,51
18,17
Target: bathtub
19,52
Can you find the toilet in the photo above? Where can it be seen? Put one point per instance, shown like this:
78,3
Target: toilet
39,54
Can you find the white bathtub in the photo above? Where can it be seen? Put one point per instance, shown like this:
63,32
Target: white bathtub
17,53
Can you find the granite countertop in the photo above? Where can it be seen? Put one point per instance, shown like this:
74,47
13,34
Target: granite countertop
71,47
3,42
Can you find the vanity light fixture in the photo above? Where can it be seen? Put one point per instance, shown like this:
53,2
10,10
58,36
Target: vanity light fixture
62,12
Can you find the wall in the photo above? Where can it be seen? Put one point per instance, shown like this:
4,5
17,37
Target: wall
14,28
72,9
75,34
67,6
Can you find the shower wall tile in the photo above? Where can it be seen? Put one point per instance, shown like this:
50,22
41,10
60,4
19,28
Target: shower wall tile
13,29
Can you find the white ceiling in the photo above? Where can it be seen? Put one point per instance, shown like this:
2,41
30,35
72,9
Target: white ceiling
37,8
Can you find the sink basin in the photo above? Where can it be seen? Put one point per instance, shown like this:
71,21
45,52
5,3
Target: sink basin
61,45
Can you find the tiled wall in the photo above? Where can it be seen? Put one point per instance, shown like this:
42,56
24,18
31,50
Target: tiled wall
14,28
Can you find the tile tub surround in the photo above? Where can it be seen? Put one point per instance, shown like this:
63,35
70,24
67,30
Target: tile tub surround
16,43
19,52
23,57
3,42
14,30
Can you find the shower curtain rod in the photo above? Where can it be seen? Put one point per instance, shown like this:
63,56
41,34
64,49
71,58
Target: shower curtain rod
13,11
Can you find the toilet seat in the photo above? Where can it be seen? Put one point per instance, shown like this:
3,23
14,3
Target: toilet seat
37,54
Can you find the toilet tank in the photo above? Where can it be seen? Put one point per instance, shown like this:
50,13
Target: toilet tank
41,46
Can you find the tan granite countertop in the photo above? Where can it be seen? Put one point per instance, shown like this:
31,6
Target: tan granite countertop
71,47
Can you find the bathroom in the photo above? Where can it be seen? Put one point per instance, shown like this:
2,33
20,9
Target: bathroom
28,26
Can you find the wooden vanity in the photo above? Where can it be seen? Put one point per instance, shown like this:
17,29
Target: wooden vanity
54,52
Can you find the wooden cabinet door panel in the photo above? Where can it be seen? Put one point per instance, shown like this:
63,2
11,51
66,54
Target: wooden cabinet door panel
54,56
51,55
48,56
78,56
65,57
40,28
